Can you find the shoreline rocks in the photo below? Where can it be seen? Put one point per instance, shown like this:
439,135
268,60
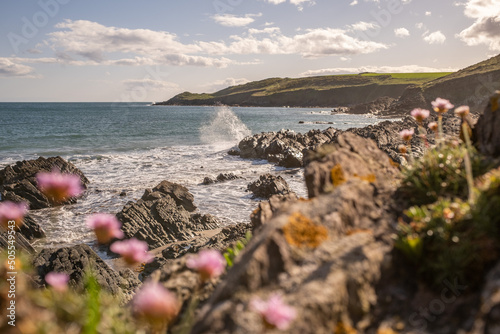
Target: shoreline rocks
18,182
268,185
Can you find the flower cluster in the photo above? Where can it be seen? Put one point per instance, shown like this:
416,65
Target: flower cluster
59,187
10,211
274,312
132,251
105,226
208,263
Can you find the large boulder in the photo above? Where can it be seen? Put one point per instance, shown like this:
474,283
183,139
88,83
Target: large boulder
31,230
18,182
268,185
487,136
162,216
75,261
178,193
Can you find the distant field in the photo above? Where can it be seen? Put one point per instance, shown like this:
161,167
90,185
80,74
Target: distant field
428,76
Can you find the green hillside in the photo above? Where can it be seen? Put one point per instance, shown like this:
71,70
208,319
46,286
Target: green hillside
324,91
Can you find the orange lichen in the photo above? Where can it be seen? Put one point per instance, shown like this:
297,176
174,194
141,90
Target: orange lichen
337,175
342,328
302,199
301,231
494,101
393,163
370,178
386,331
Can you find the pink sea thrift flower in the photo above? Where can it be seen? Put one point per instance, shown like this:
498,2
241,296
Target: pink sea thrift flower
105,226
132,251
274,312
10,211
462,111
58,281
441,105
59,187
155,304
407,134
420,114
209,263
433,126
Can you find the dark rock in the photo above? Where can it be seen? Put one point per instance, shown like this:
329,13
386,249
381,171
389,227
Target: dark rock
20,243
123,194
159,219
268,185
285,144
222,177
207,180
292,158
376,107
18,182
234,151
30,229
74,261
178,193
487,136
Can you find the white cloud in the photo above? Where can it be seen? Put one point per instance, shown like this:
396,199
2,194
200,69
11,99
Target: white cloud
401,32
353,3
9,68
299,3
229,20
428,13
376,69
436,37
364,26
486,29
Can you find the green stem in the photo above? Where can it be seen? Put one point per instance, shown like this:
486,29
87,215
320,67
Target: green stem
440,126
467,162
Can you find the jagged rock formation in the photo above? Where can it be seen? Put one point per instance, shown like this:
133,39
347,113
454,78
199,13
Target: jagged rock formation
18,182
268,185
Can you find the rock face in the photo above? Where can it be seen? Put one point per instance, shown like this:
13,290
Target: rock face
18,182
268,185
487,136
377,107
325,256
163,215
284,147
20,243
31,230
74,261
178,193
222,177
222,240
266,210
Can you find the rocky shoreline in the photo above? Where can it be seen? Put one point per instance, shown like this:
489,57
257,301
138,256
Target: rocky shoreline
331,256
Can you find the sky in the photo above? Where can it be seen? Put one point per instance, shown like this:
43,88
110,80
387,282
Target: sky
150,50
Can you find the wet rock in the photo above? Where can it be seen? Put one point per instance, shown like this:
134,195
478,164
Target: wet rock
487,136
234,151
18,182
268,185
31,230
74,261
20,243
159,219
222,177
285,144
178,193
292,158
208,180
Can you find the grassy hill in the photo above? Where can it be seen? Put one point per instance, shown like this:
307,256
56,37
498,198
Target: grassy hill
322,91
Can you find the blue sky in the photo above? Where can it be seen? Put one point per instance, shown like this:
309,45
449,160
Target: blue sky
150,50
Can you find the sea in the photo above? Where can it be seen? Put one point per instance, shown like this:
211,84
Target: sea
125,148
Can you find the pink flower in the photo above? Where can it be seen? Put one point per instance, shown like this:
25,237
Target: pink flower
59,187
274,312
407,134
433,126
105,226
441,105
10,211
58,281
420,114
155,304
209,263
462,111
132,251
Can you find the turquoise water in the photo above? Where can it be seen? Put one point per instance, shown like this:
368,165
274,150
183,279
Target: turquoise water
130,147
